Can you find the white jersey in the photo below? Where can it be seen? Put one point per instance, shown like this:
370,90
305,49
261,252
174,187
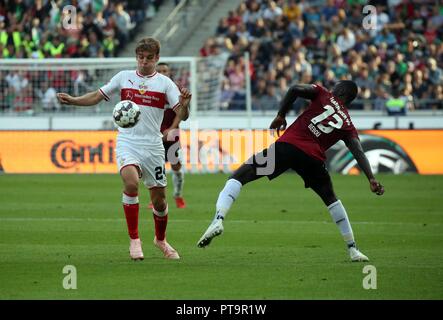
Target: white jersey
153,94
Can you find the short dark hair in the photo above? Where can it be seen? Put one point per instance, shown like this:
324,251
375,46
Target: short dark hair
163,64
345,90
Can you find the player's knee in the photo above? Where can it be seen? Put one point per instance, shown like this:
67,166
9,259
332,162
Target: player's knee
244,174
236,177
328,197
330,200
324,191
176,167
131,187
159,204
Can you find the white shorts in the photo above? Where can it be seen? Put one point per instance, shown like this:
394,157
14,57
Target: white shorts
150,162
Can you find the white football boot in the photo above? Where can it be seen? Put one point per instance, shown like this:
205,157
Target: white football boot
356,255
214,229
135,249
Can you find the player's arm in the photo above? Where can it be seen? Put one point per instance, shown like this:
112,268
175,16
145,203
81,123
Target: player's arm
88,99
94,97
354,145
174,126
183,110
305,91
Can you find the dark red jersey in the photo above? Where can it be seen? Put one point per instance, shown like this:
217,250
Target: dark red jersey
168,119
320,126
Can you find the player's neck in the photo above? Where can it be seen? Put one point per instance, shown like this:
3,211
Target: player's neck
146,73
341,101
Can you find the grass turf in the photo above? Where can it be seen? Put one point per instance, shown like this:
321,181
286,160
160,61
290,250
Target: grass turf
279,240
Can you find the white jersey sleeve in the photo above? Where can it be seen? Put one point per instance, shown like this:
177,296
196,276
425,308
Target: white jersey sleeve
172,95
113,86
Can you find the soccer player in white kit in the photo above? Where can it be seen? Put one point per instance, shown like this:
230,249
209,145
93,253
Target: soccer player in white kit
140,151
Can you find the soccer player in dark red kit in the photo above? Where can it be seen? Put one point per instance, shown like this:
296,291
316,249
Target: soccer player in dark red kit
171,135
302,148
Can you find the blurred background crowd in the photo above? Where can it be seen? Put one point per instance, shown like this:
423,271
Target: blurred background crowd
49,29
397,64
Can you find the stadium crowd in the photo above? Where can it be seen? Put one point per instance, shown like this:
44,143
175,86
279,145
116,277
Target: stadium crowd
51,29
398,64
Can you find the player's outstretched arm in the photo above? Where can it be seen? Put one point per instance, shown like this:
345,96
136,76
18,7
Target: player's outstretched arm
356,149
305,91
88,99
185,99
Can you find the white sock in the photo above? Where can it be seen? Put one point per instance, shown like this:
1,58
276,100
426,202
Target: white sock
178,179
338,214
226,197
161,213
129,199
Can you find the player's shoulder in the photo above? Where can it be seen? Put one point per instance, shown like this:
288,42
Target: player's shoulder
168,82
128,72
125,73
162,77
320,88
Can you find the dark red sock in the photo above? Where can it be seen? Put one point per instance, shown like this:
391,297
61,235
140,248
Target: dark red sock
131,213
160,226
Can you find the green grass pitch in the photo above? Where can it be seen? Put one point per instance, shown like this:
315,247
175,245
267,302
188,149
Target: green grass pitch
279,240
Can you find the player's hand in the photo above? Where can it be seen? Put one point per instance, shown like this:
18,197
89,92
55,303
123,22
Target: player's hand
278,123
165,135
376,187
64,98
170,134
185,96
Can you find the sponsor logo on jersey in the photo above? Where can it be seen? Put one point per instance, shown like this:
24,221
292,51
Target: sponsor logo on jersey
129,95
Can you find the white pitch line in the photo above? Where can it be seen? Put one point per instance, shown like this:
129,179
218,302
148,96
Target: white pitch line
67,219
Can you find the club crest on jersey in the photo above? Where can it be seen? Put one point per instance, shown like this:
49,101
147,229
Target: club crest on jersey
142,88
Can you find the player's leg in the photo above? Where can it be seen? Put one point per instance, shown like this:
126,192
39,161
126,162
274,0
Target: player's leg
244,174
178,180
251,170
153,168
160,214
226,198
172,154
160,211
130,176
248,172
338,213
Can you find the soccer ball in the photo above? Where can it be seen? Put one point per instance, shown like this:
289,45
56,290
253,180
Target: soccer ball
126,114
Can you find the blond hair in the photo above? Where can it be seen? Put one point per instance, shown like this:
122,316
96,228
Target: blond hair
148,44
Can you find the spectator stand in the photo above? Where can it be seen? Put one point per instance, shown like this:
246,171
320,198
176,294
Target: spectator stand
35,30
297,41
